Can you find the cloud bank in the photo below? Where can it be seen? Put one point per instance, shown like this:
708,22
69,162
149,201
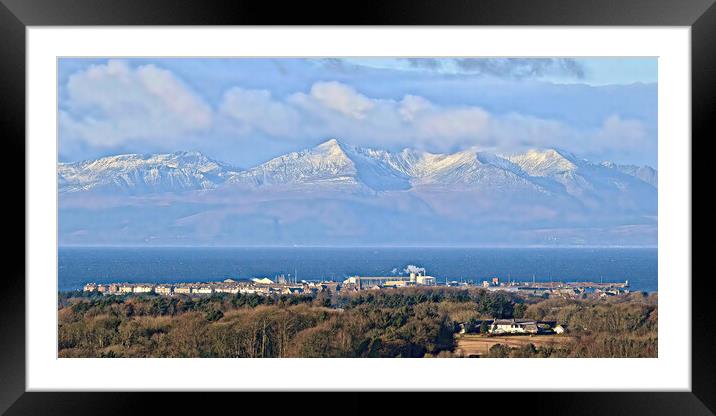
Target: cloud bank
108,105
510,68
332,109
117,106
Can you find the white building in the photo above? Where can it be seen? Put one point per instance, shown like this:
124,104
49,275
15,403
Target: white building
227,289
183,290
425,280
126,289
513,326
262,281
414,279
203,290
163,290
143,289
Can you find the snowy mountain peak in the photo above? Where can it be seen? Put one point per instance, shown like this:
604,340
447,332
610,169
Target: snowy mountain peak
645,173
337,193
140,173
335,164
549,162
326,163
330,144
332,149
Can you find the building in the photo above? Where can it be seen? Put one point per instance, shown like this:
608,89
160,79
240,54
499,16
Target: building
143,289
227,289
365,282
396,283
513,326
202,290
262,281
126,289
90,287
185,290
425,280
291,290
351,281
163,290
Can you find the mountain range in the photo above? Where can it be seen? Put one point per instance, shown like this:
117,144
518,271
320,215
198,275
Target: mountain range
335,193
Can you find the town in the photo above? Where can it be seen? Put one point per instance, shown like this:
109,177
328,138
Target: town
282,285
471,317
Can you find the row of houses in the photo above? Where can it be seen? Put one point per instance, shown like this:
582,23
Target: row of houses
258,286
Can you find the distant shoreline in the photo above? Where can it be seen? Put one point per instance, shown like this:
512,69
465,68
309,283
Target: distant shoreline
80,265
360,246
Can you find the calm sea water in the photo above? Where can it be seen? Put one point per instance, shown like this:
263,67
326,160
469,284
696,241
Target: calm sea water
78,266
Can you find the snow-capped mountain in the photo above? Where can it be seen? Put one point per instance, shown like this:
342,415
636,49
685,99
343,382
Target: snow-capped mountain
335,164
645,173
545,163
327,164
337,193
135,173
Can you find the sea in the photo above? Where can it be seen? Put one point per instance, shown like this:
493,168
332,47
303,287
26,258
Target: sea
80,265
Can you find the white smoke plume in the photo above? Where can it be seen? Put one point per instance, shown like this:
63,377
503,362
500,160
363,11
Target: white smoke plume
414,269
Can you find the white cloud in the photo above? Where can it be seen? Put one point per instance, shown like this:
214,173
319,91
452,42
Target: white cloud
412,105
342,98
256,110
335,109
455,123
624,133
109,105
412,121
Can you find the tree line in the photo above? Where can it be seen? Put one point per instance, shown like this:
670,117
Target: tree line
409,322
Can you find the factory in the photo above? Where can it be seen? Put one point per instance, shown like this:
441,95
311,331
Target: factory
371,282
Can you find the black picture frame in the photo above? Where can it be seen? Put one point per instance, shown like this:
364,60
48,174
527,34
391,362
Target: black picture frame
16,15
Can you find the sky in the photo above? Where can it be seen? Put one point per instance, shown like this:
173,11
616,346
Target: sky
244,111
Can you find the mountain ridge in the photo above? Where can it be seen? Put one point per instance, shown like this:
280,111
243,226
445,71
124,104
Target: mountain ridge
339,194
331,163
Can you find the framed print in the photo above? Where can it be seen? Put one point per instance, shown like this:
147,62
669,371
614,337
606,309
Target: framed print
326,208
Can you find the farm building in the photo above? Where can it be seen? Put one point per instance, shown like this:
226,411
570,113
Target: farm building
513,326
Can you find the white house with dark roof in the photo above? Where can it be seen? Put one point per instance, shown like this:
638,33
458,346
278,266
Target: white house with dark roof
513,326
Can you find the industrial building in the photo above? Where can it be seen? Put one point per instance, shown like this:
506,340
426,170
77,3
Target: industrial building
367,282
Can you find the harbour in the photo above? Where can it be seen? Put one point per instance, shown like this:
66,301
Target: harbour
516,267
280,285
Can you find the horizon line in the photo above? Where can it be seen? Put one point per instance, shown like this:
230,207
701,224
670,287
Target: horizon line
357,246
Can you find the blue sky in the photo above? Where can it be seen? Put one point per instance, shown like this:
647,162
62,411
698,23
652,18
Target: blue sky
244,111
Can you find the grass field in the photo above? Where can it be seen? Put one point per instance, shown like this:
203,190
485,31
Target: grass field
478,345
